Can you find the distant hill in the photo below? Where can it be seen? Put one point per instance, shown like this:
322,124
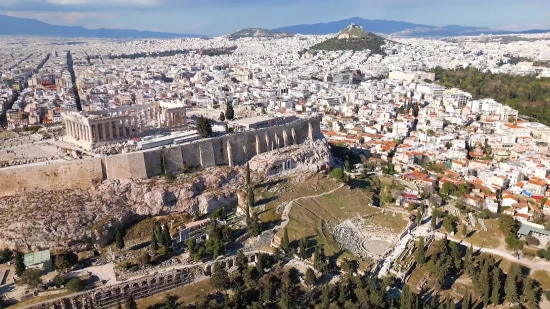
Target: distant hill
259,33
354,38
398,28
32,27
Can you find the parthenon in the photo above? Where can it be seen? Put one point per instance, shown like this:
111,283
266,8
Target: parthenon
89,128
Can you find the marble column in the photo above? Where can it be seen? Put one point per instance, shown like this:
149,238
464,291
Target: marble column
123,127
79,130
96,133
109,128
142,118
68,128
101,130
90,134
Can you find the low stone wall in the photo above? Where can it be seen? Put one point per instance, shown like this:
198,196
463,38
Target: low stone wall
233,149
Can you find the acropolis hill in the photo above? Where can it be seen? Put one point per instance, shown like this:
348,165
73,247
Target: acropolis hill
231,150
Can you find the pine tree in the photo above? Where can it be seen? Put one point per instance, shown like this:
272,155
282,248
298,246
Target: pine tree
19,264
495,294
285,242
154,243
420,252
204,127
229,112
302,248
220,278
130,302
119,240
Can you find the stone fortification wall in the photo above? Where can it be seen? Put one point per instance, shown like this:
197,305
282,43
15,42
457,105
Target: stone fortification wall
230,150
56,176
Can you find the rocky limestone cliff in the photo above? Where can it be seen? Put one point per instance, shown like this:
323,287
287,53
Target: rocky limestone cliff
74,219
311,156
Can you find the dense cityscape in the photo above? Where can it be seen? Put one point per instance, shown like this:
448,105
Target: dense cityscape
267,169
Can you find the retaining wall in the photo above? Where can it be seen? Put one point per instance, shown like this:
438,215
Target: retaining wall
231,149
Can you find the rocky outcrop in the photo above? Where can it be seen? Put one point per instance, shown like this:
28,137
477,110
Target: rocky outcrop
311,156
74,218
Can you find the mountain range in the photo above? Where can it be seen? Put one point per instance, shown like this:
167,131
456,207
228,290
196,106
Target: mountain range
31,27
398,28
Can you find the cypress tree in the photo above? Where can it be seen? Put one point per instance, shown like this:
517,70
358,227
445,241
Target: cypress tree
511,287
248,175
302,248
485,282
19,264
119,240
420,252
325,296
167,238
530,293
285,242
466,301
405,298
154,243
495,294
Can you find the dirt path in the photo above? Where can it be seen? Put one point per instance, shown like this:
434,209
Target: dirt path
534,265
288,206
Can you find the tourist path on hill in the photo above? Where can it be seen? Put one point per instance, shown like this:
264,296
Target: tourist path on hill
288,207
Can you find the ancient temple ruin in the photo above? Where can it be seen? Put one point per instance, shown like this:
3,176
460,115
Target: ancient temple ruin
89,128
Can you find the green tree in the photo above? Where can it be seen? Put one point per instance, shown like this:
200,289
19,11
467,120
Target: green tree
325,296
241,262
130,302
511,286
154,243
119,240
508,225
59,280
285,242
254,228
222,116
337,174
530,293
31,277
220,278
420,254
310,279
496,283
75,285
167,238
302,247
229,112
203,127
62,263
466,301
19,264
170,302
248,180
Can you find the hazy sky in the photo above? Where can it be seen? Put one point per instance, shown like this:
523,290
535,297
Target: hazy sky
216,17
